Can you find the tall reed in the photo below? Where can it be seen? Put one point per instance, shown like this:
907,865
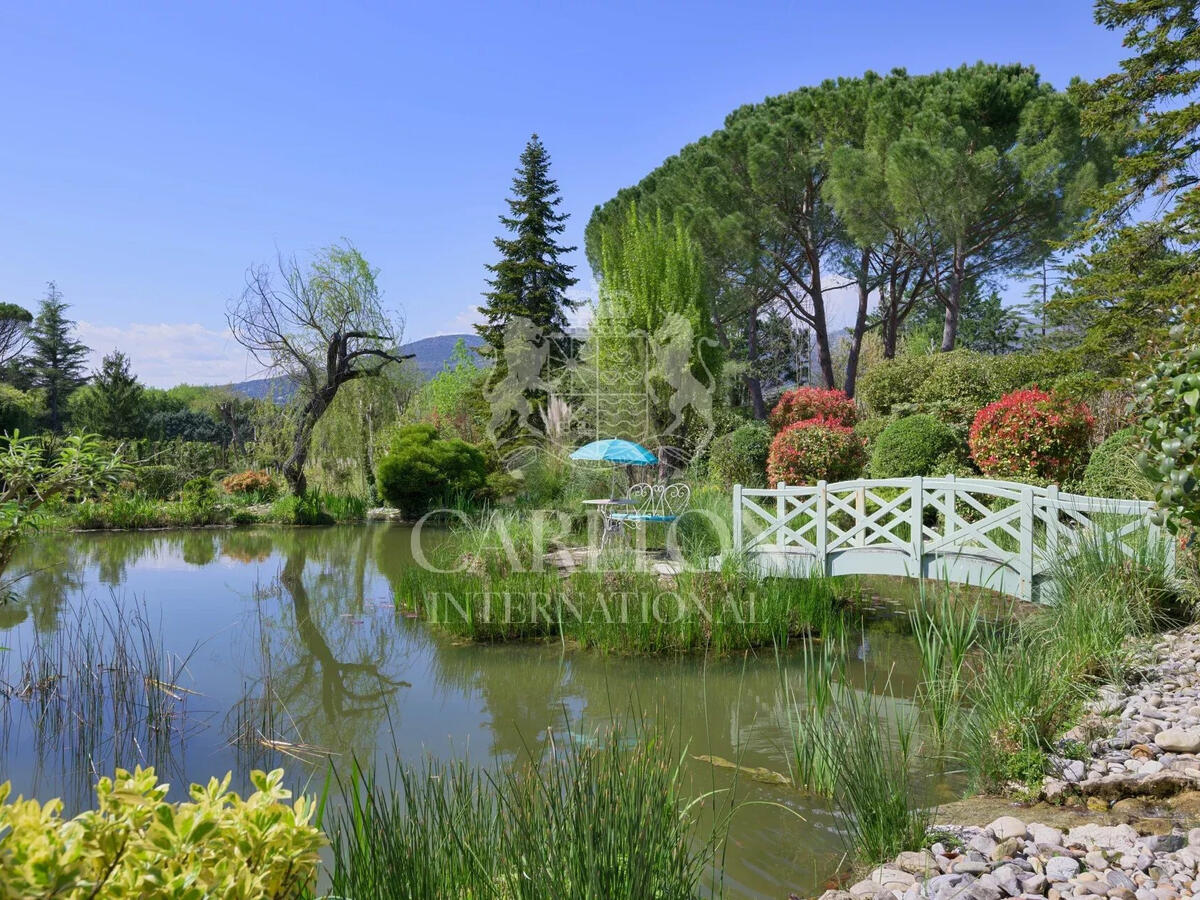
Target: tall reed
945,631
573,821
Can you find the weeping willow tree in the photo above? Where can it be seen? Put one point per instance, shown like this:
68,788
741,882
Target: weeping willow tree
650,359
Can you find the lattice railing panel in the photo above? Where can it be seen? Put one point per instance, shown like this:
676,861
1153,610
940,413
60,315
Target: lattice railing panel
1017,526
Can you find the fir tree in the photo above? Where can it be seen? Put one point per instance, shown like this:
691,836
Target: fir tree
530,280
57,358
112,404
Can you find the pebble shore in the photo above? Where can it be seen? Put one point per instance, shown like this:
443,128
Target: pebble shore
1135,743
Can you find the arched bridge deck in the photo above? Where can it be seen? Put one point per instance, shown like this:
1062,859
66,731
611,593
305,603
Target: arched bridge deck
1000,535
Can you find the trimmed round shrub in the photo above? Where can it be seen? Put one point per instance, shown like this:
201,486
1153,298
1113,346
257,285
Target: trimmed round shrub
816,450
1031,435
1113,471
914,445
423,469
740,457
807,403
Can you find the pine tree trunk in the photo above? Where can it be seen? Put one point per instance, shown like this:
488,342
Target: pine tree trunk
753,382
953,303
860,328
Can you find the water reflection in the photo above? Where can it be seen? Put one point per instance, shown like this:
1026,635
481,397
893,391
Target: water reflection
300,641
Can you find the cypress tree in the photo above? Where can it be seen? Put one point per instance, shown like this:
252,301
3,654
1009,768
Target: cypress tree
57,358
530,280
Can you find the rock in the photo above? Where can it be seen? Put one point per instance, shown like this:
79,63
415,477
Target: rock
1106,837
1007,827
1096,860
1044,834
1073,771
1006,849
970,867
837,895
916,862
983,842
1061,868
1178,740
1193,837
1034,884
889,875
1118,879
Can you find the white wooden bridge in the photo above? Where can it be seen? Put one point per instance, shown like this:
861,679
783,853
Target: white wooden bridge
1000,535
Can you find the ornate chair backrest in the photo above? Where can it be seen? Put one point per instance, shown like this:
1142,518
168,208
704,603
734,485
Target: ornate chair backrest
663,500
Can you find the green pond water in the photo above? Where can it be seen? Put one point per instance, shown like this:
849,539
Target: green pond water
296,632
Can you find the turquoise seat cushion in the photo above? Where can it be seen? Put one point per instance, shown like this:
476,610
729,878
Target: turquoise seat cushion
643,517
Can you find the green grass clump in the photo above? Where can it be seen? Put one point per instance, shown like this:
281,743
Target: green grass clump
1030,682
574,821
859,748
624,611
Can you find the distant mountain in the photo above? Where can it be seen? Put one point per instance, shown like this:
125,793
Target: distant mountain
430,356
432,353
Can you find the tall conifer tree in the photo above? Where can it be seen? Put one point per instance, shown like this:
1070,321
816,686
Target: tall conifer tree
57,358
530,280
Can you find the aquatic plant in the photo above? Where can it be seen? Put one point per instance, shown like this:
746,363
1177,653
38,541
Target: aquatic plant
579,819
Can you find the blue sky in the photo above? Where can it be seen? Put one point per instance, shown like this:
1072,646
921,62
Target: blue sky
150,153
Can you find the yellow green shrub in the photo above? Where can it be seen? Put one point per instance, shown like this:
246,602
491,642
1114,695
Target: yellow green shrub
135,844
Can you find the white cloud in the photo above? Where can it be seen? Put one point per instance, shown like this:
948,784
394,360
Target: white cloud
165,354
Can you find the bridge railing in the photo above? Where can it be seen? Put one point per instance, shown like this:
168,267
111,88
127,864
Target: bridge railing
997,534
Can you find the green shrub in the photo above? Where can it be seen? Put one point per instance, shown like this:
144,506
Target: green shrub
808,452
914,445
1114,470
869,429
17,410
1169,397
740,457
135,844
960,383
892,382
344,507
1032,435
199,503
804,403
306,510
423,469
157,482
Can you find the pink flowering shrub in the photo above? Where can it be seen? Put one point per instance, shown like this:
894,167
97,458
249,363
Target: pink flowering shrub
1031,434
807,403
814,450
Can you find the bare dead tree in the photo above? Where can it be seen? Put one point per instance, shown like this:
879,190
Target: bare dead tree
321,326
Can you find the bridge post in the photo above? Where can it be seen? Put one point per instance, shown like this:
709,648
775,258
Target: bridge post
737,518
822,530
780,512
860,515
1025,550
950,507
1052,523
916,523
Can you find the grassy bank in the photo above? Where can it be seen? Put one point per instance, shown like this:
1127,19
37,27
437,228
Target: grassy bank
132,512
627,611
573,821
994,700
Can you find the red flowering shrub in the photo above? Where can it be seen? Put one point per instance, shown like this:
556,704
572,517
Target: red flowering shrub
807,403
1031,434
814,450
249,482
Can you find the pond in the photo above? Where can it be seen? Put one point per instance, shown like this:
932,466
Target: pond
294,635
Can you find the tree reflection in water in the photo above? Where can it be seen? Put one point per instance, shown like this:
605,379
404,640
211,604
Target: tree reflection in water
325,683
